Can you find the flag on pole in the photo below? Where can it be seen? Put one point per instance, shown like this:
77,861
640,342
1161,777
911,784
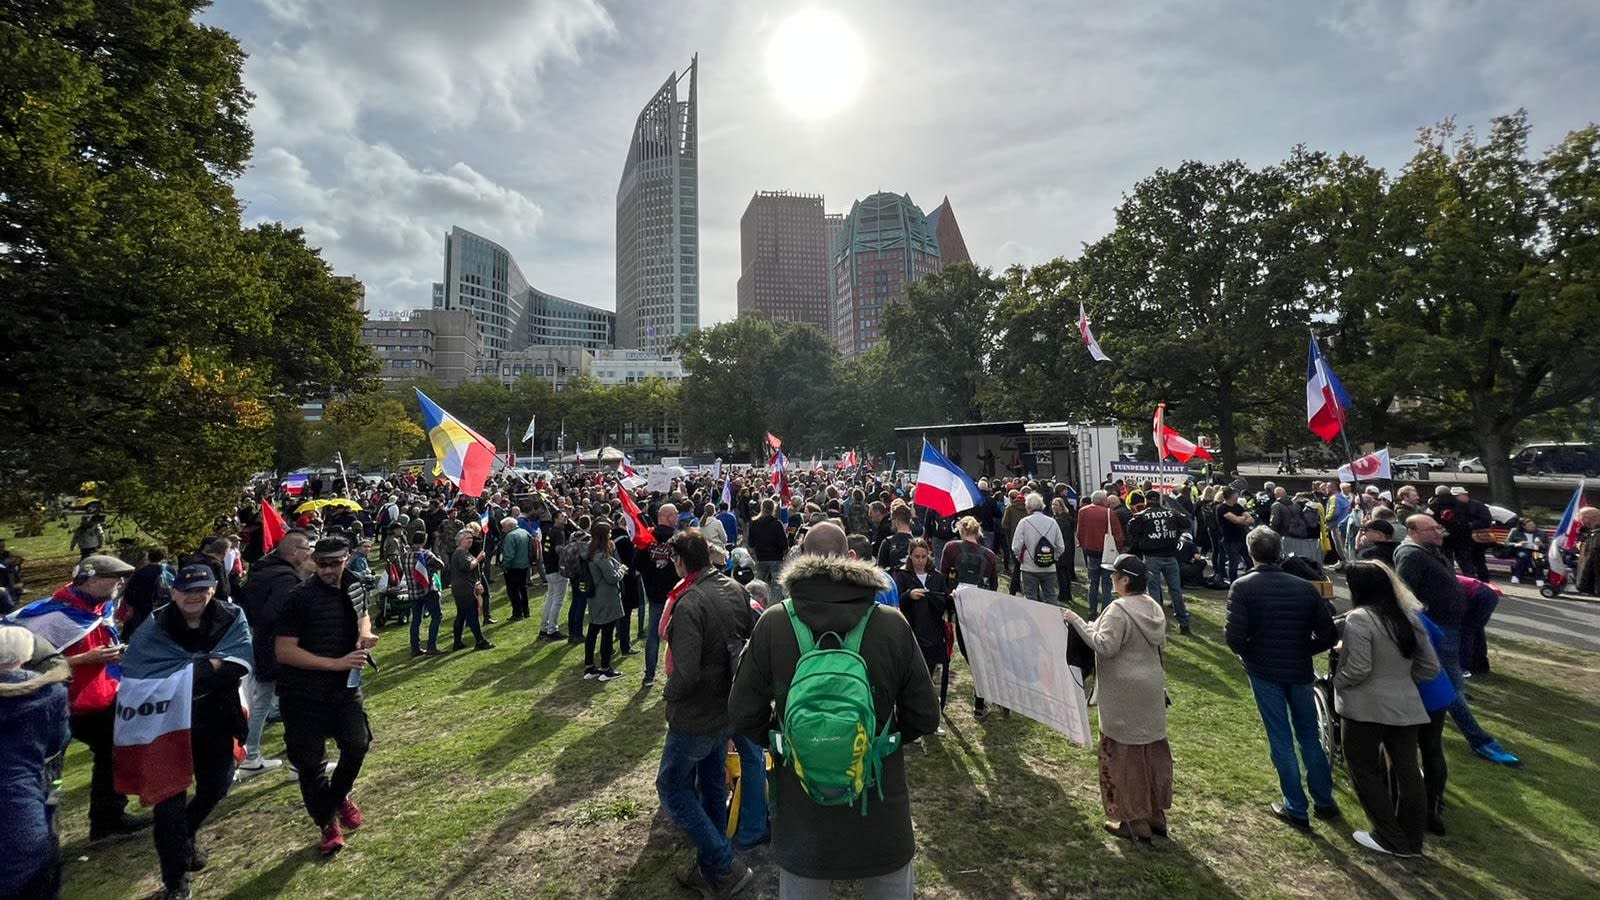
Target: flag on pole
727,494
464,456
630,478
638,529
941,484
1326,400
1570,523
1088,336
1371,467
295,483
579,452
778,464
528,435
1171,443
273,528
774,442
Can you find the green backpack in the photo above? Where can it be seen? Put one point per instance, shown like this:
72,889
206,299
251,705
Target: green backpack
830,733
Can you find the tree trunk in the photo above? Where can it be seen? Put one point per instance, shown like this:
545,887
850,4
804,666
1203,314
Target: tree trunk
1226,438
1495,446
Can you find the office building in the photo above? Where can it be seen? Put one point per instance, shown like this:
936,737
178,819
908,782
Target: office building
952,247
885,245
783,259
559,365
658,233
481,277
444,345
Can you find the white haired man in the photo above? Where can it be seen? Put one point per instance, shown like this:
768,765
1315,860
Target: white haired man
1038,545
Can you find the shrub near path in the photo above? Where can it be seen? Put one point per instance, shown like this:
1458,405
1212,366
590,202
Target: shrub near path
504,774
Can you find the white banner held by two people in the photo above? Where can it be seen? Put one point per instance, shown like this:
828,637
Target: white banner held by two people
1018,652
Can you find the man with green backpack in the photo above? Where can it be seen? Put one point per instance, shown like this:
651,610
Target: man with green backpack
833,684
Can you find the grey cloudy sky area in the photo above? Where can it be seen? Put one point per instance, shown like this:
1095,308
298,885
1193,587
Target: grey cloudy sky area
381,123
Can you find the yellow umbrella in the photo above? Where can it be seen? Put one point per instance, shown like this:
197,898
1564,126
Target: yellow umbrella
342,501
311,506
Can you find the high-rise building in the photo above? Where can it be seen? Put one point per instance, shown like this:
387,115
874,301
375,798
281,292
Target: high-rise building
481,277
783,259
885,245
658,230
952,247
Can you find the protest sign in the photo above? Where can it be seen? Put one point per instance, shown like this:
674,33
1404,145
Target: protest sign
1018,652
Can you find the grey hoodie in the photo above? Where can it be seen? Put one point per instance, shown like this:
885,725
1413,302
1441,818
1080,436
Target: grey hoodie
1130,686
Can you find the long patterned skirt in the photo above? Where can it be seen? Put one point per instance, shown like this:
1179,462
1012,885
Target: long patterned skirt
1136,780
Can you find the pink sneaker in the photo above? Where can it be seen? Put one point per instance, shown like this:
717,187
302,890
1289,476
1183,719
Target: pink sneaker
350,815
332,838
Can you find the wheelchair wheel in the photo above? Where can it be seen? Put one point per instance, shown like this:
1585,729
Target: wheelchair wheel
1327,721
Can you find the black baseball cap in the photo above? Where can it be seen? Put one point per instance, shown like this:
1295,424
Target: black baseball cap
1128,564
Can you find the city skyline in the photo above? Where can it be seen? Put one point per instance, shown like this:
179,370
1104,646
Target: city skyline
510,118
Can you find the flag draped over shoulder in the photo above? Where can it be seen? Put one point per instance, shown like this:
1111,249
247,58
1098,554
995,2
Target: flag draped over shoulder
61,623
464,456
151,754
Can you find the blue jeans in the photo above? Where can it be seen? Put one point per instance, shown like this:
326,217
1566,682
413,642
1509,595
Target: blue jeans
575,611
426,603
1450,661
1233,553
652,640
692,784
753,794
1040,586
262,698
1165,568
1099,585
1291,706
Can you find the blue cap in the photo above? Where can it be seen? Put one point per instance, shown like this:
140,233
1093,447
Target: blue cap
194,577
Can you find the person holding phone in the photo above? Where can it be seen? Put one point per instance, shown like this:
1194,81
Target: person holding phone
467,588
925,601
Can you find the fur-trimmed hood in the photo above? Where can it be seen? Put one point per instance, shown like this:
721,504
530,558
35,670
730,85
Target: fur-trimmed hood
842,569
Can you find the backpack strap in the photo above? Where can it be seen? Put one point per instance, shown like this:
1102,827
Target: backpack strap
852,641
802,632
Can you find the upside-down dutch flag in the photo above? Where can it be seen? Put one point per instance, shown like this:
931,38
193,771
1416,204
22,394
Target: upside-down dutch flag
1570,523
1326,400
941,484
465,456
151,753
1170,443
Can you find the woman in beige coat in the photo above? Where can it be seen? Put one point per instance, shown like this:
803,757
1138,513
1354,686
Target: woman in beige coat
1130,687
1384,655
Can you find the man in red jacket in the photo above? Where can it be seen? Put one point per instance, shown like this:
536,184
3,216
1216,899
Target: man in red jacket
92,693
1096,525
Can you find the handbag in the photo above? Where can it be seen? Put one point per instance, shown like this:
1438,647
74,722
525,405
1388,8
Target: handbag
1109,554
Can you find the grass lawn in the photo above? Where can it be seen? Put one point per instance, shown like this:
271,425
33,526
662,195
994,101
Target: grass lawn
504,774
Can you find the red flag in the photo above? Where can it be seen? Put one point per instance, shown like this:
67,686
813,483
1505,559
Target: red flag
1171,443
273,528
638,529
774,442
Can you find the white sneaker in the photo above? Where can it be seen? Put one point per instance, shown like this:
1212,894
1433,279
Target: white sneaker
1365,839
939,731
1515,580
253,767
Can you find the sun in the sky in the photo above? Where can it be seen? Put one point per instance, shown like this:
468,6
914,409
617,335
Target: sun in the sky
816,63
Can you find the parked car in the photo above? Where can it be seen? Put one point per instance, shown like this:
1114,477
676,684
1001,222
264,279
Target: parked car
1412,460
1557,459
1475,464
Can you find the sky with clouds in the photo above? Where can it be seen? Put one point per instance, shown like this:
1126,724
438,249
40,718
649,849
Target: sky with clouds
381,123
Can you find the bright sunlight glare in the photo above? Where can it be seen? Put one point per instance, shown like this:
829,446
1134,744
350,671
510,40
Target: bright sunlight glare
816,63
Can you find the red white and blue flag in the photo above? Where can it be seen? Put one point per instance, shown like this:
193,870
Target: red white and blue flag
941,484
1088,336
727,494
774,442
62,623
1326,400
151,753
1567,531
1170,443
778,464
630,478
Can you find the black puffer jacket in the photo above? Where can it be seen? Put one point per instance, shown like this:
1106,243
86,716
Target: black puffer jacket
271,579
1277,623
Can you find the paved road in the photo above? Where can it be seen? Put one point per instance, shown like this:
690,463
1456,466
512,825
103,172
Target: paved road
1257,472
1524,614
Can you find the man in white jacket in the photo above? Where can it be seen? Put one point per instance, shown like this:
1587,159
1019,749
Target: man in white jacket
1038,544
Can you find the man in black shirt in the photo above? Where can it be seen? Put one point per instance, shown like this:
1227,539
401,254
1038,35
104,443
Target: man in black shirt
322,641
1154,534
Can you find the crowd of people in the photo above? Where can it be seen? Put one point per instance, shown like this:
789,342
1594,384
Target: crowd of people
730,587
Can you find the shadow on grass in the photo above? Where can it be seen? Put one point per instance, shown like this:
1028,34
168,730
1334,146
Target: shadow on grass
270,882
583,768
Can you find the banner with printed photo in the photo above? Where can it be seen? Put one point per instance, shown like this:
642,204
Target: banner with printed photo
1018,652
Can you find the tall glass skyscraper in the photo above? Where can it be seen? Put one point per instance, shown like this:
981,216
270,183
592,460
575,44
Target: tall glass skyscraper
885,245
481,276
658,221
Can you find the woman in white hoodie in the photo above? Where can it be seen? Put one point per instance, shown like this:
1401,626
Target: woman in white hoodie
1130,691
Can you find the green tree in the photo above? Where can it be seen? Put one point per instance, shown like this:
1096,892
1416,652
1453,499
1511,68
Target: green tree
372,431
1201,299
1040,369
939,340
141,318
1495,263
